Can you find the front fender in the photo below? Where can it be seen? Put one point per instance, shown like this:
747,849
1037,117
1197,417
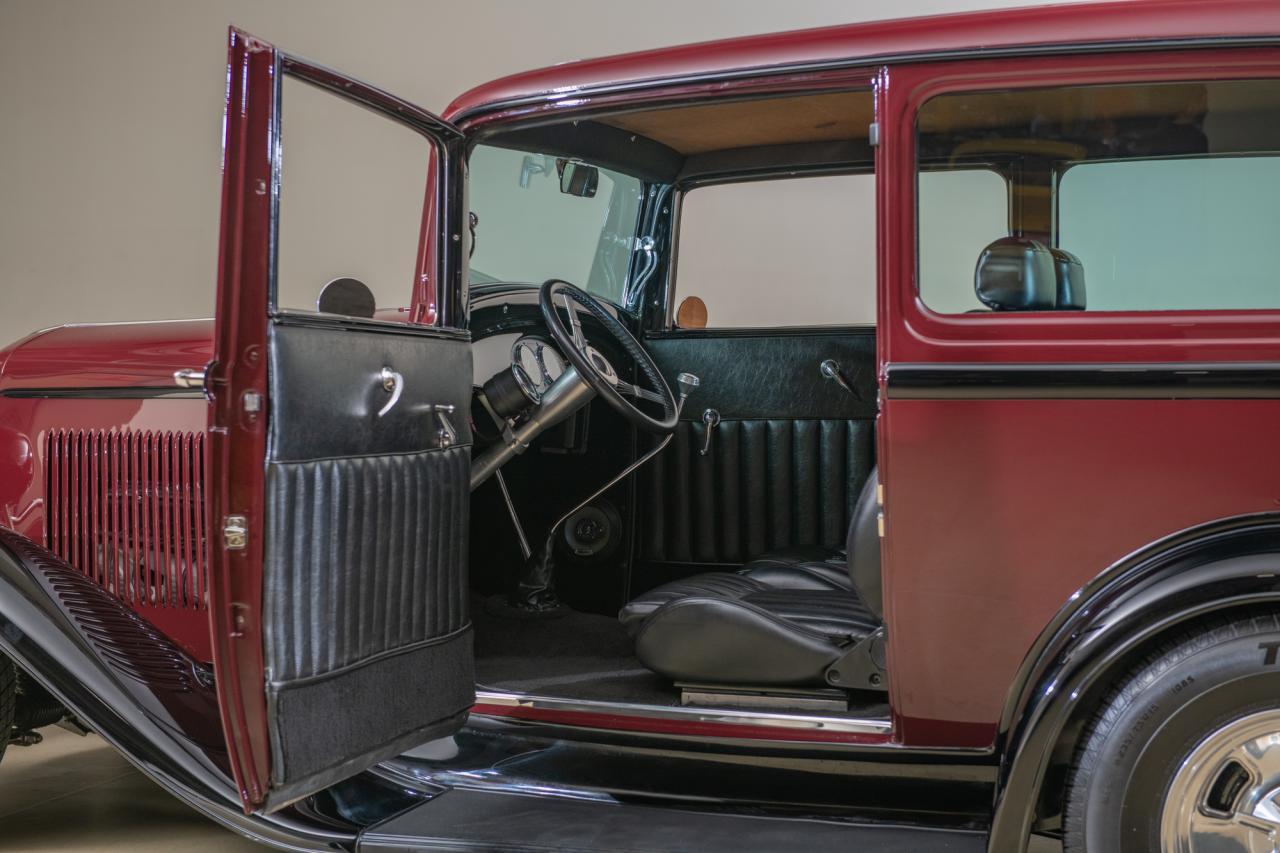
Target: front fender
135,688
1224,564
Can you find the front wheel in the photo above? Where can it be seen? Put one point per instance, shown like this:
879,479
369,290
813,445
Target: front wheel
1184,755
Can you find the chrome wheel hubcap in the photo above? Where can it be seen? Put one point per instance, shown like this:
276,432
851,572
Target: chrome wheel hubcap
1226,794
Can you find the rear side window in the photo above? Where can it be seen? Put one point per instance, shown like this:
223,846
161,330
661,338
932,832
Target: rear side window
778,253
1179,233
1152,197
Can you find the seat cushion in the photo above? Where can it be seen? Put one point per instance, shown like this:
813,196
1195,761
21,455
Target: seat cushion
729,628
712,584
811,568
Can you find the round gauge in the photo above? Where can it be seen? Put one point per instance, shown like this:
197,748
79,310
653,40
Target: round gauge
536,364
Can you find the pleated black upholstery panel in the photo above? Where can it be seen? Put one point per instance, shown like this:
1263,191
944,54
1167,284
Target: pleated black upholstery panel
765,485
346,531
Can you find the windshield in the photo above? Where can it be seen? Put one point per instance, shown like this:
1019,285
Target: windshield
541,216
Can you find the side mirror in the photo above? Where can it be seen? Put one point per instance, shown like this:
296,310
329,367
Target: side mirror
577,178
348,296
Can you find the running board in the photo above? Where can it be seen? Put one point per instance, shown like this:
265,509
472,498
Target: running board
468,819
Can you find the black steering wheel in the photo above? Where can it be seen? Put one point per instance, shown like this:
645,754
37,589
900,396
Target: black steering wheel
595,369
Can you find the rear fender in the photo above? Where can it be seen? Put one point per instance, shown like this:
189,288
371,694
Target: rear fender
135,688
1094,638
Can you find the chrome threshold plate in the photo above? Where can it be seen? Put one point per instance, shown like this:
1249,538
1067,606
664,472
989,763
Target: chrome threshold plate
774,701
728,716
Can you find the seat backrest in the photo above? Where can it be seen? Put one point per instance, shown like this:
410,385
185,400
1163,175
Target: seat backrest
863,547
1070,275
1016,274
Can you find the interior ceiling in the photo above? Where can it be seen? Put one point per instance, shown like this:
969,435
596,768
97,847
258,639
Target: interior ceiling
747,124
1184,102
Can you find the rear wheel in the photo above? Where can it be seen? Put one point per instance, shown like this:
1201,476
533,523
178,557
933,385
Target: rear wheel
1184,755
8,697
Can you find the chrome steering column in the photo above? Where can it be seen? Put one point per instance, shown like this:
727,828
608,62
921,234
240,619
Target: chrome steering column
569,393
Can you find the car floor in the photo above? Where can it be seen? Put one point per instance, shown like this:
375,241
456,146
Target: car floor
580,656
575,655
77,794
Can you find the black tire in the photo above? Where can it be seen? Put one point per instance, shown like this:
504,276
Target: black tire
1187,689
8,698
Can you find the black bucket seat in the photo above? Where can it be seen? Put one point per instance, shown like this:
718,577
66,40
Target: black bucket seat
783,619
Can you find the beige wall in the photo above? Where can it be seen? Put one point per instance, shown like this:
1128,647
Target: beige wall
110,116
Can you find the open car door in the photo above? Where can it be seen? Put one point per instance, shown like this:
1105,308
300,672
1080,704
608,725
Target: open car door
339,470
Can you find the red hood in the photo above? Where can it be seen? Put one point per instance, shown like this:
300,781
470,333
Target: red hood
107,355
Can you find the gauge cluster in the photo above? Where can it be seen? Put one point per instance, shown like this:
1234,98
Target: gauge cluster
536,364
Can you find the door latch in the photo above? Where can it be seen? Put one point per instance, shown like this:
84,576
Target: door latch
446,436
235,533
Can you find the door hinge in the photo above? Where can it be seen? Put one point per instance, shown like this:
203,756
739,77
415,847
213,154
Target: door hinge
235,533
873,134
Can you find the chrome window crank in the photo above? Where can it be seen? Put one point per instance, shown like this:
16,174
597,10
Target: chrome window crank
710,418
830,369
393,382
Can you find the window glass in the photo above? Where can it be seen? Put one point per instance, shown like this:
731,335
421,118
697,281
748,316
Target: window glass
1185,233
1148,197
959,209
534,223
788,252
352,185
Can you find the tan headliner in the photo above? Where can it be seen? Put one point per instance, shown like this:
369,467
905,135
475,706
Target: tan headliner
746,124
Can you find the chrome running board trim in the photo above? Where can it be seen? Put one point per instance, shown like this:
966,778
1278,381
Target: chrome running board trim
804,722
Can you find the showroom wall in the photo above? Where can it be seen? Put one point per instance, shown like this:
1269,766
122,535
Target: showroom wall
110,136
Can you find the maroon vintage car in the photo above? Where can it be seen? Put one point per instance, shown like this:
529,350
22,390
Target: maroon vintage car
859,438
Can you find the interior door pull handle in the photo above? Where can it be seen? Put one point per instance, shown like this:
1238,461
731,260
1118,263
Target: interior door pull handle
710,418
830,369
393,382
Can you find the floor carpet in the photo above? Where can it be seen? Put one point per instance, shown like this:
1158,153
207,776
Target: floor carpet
577,656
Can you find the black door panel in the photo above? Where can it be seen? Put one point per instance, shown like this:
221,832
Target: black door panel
368,639
785,463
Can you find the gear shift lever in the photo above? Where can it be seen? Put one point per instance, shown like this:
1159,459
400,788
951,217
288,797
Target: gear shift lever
687,383
536,590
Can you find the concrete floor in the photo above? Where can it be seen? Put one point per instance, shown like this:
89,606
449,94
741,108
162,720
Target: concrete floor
75,794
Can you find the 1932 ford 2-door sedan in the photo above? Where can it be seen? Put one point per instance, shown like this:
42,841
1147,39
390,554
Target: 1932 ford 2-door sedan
857,439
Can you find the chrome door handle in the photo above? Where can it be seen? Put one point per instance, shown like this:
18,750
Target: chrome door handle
393,382
710,418
830,369
189,377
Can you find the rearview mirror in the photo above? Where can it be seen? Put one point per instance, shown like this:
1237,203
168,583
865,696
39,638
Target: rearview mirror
577,178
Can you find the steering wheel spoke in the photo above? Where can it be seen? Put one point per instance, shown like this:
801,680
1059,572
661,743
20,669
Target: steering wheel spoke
575,326
639,393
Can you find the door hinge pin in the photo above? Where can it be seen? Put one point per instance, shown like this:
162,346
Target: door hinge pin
235,533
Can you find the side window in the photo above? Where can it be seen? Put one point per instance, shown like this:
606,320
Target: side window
959,209
1136,197
352,187
776,253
